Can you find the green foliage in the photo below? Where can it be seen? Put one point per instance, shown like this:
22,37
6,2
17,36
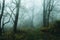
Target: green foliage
42,33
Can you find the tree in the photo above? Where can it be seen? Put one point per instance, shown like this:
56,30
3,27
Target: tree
3,20
47,9
0,6
44,14
16,17
32,20
1,15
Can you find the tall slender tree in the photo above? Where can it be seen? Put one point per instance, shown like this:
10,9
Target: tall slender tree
1,15
16,17
44,14
50,9
48,6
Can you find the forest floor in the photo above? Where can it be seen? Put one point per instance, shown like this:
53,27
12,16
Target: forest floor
37,34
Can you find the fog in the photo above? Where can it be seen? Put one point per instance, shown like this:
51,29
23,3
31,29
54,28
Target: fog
29,19
27,7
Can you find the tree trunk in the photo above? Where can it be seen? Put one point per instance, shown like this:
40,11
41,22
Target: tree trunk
44,15
16,19
1,16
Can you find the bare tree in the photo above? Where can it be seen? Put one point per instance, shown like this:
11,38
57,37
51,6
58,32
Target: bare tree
0,6
44,14
3,21
50,9
16,17
47,9
1,15
15,20
32,21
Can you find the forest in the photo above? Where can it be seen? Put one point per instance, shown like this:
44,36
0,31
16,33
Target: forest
29,19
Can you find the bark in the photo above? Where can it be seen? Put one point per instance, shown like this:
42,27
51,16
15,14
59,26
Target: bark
16,17
47,9
44,15
50,8
1,16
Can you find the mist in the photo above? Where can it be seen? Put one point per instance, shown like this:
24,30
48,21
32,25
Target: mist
21,16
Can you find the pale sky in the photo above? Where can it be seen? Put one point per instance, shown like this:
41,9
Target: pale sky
29,3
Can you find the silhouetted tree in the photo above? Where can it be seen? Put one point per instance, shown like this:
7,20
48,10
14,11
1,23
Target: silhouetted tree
32,21
47,9
3,20
44,14
16,17
1,15
0,6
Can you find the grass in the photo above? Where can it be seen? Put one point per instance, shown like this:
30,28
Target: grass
30,34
